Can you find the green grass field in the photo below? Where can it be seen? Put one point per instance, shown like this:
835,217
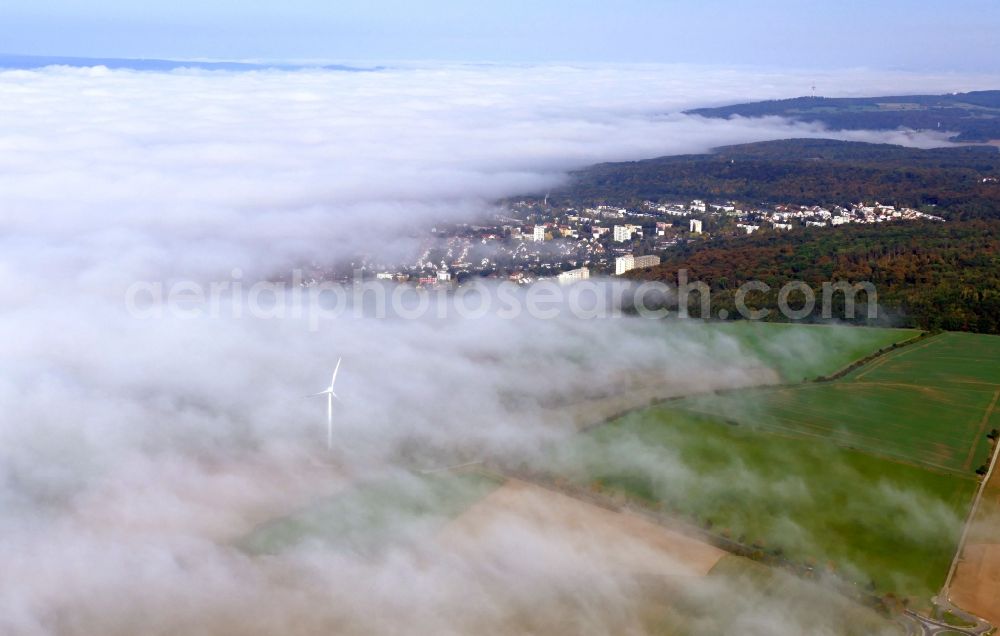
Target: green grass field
871,474
838,614
948,359
803,352
741,596
373,514
930,403
867,518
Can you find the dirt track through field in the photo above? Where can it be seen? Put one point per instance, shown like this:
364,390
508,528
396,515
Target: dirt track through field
976,585
644,390
621,543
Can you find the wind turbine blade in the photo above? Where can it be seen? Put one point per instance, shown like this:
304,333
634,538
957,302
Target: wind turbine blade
318,394
337,368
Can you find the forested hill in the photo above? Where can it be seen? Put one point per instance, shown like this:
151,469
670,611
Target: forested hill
971,117
930,275
808,172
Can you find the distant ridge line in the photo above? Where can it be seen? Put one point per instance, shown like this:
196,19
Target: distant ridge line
32,62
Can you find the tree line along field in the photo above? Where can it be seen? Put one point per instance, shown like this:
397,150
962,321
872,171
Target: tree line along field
800,352
869,476
757,593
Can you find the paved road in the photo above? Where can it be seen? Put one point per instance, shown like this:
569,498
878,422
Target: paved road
917,625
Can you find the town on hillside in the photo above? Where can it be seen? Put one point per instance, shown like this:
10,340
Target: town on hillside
529,240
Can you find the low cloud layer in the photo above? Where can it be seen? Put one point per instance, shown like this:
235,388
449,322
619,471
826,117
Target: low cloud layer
133,452
110,175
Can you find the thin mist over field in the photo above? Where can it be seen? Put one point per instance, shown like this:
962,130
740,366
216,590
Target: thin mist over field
135,453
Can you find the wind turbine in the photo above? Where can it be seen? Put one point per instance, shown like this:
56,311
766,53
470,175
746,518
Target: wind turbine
330,395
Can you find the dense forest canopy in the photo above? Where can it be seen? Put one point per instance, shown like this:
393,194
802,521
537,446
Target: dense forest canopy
964,181
970,117
927,274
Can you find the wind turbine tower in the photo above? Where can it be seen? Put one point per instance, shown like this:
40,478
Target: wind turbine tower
330,395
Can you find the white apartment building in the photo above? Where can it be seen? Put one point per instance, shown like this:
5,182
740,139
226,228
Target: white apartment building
646,261
539,234
573,276
626,232
630,262
623,264
695,226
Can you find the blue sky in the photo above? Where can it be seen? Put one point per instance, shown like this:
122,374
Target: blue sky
900,34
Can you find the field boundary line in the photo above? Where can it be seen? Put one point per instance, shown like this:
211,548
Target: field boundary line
881,357
983,423
945,590
778,386
628,506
